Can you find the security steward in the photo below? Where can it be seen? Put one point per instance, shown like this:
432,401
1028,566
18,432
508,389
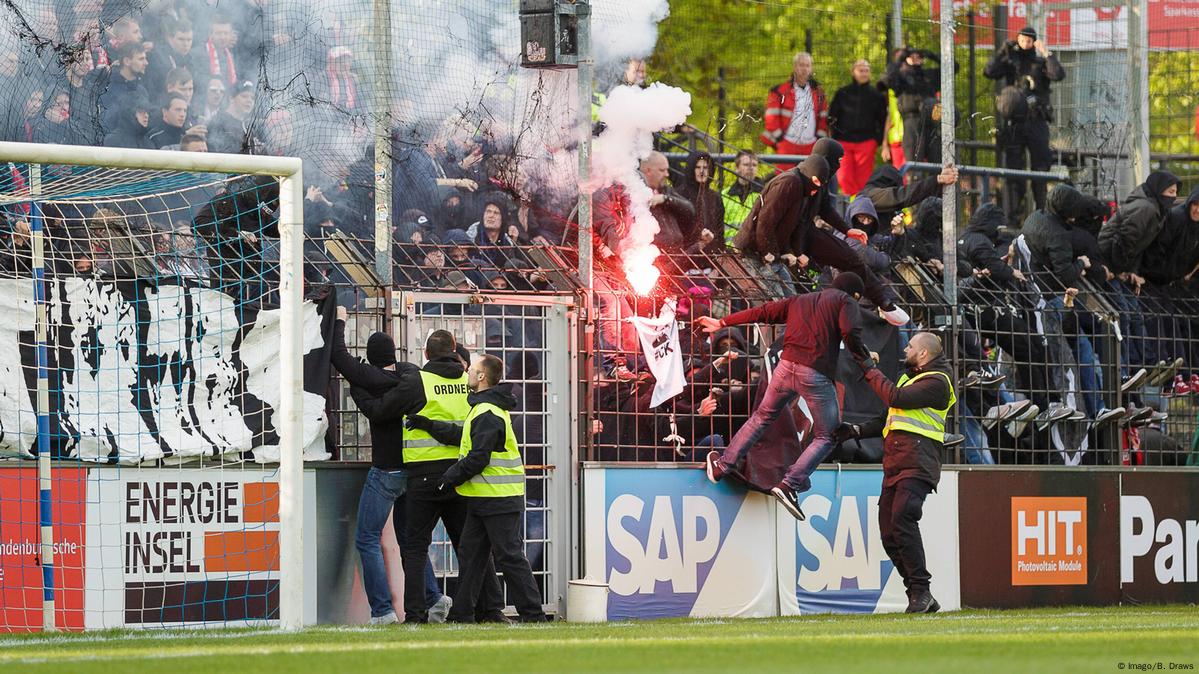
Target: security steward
491,476
913,431
1026,67
436,391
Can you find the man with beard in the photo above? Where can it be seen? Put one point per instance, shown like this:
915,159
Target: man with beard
913,431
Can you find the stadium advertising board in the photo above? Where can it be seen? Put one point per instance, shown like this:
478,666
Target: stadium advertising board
20,548
1038,538
834,562
182,546
674,545
1159,537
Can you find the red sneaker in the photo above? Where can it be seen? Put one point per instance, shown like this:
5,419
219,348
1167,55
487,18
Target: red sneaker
1180,387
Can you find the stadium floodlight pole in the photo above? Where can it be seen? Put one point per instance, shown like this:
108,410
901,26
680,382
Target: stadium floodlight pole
288,421
1138,82
41,331
382,120
949,203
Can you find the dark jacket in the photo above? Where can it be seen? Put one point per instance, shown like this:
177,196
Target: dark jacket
816,323
1125,237
1027,71
408,398
229,134
907,455
129,133
1048,237
675,216
1175,251
163,134
886,191
117,95
878,261
780,220
250,205
858,113
487,435
367,384
977,250
912,84
709,206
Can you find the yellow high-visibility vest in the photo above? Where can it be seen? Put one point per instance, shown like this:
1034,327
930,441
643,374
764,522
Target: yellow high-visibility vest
924,421
505,473
445,400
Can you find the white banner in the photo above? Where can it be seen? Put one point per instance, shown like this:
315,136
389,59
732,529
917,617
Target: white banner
660,344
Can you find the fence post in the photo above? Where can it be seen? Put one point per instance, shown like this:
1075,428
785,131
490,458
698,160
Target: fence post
949,207
1138,82
382,130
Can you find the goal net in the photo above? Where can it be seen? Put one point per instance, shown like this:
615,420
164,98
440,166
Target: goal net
151,382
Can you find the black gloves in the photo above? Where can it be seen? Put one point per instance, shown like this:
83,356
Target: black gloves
846,431
416,422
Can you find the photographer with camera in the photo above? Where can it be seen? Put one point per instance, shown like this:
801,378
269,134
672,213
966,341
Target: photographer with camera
1026,67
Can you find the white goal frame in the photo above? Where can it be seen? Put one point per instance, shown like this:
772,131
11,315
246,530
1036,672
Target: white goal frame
289,418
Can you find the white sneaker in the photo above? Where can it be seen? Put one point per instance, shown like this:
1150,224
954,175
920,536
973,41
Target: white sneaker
385,619
897,317
439,610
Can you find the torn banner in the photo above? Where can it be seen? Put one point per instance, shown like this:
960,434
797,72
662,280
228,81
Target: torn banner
660,344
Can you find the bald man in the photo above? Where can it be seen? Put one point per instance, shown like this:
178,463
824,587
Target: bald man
913,431
675,215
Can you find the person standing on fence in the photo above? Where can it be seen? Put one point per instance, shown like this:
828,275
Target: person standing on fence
796,112
857,116
817,323
387,480
913,431
436,391
1026,67
490,475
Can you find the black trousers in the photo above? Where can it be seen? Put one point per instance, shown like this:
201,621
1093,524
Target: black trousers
899,510
485,537
1031,135
426,505
826,248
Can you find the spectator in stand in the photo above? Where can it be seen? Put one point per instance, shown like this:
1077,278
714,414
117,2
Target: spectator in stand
230,130
886,191
739,197
857,117
84,84
341,84
133,129
796,112
55,124
676,216
1026,68
192,143
863,218
123,32
177,53
210,107
488,233
916,89
216,59
168,129
21,130
280,134
124,85
709,207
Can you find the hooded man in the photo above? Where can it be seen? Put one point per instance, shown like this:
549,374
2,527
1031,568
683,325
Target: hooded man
133,128
490,475
1046,232
1026,67
695,187
1174,254
913,431
387,480
886,190
1125,237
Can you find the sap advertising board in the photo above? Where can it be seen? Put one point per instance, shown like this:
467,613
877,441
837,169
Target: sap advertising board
674,545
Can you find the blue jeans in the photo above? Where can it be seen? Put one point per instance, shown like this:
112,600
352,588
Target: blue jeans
792,380
382,491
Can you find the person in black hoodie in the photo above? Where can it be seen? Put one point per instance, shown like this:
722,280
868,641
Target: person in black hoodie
857,116
696,187
437,391
913,433
386,481
889,195
490,475
133,128
914,88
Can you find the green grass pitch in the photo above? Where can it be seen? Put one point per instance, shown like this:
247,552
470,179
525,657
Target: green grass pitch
1058,640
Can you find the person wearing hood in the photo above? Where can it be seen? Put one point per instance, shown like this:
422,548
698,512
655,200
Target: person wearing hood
437,391
1047,235
490,236
1125,237
857,116
922,241
1026,67
913,431
886,191
709,206
386,481
1174,254
864,219
490,476
1171,262
133,128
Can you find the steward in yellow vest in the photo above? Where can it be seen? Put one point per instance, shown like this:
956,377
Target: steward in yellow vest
913,433
436,391
490,475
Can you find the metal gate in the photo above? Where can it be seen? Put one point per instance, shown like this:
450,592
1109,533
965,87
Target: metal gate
535,337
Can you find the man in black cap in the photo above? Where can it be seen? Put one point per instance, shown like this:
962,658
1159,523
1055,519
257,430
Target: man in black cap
817,323
1026,68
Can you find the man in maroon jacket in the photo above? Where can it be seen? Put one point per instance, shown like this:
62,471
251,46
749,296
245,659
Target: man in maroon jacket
817,323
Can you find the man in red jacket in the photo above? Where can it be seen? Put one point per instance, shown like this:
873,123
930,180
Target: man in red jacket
796,112
817,323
